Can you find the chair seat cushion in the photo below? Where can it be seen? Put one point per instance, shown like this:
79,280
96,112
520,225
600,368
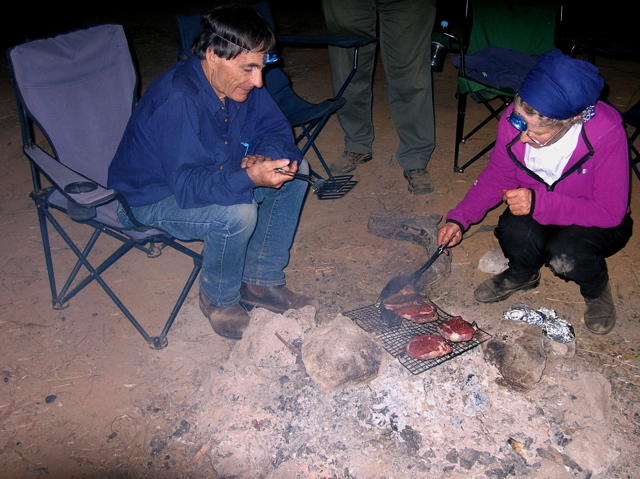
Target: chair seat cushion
497,67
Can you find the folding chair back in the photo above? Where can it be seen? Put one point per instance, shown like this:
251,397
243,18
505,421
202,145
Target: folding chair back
78,89
503,42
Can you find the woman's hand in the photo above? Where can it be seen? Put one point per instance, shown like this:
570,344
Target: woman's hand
518,200
449,234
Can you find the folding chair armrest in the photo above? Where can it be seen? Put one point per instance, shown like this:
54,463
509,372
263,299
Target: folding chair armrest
74,186
324,40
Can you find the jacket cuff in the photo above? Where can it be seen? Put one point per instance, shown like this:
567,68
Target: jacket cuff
462,228
533,201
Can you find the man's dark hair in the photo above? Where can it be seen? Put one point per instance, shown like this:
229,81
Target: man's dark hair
229,30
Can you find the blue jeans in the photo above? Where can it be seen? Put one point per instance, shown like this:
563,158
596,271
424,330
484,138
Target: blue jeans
246,242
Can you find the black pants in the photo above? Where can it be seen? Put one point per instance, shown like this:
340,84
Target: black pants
573,253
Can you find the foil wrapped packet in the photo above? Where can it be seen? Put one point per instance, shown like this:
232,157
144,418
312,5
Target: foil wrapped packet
552,326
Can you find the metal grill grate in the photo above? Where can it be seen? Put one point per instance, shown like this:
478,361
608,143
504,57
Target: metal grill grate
395,333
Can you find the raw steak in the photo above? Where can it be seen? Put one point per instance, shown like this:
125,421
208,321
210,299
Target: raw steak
428,346
456,329
418,313
406,296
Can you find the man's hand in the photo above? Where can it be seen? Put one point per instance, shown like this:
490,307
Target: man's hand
449,234
262,171
251,160
518,200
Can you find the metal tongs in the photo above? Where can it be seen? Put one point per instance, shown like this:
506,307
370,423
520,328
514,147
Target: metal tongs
330,189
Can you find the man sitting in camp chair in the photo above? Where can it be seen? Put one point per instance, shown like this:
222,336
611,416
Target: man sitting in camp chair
200,159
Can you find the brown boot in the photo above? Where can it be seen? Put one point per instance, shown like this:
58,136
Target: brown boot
349,161
274,298
229,322
600,316
419,181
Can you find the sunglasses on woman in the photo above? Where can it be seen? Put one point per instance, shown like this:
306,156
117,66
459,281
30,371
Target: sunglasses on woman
520,124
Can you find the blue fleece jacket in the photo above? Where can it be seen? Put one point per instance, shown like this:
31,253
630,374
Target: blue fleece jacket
182,140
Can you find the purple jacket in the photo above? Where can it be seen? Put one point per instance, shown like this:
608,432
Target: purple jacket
592,191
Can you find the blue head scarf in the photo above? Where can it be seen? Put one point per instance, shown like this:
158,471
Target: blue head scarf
561,87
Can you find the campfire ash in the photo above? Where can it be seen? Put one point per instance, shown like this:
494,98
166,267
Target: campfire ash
453,421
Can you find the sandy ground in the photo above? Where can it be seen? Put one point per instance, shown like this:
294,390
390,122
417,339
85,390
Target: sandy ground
84,396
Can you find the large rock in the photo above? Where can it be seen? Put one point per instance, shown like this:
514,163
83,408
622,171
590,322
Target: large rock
421,229
517,350
339,355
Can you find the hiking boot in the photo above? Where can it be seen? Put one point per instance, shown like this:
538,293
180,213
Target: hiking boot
274,298
349,161
600,315
229,322
419,181
501,287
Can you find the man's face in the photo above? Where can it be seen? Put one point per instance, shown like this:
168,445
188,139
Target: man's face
234,78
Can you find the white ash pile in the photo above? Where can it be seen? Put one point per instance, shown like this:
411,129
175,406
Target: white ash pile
451,421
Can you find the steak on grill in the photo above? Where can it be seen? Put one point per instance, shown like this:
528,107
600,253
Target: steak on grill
456,329
406,296
418,313
428,346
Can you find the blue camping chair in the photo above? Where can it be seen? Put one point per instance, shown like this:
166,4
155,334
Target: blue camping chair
79,90
309,117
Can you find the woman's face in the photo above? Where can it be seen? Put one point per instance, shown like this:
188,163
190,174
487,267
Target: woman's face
538,135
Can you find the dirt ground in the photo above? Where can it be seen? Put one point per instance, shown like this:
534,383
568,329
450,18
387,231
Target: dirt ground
84,396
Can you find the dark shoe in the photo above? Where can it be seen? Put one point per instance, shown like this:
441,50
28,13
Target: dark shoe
600,316
419,181
229,322
501,287
349,161
274,298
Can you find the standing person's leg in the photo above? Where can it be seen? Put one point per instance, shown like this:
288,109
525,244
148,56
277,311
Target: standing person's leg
405,42
353,18
270,245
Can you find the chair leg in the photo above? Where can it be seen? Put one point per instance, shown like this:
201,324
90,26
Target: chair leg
462,105
94,273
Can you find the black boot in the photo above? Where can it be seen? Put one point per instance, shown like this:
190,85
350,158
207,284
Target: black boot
501,286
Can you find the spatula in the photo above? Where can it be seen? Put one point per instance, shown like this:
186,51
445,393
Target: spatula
329,189
399,282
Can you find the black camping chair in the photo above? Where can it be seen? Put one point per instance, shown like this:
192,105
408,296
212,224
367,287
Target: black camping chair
632,118
79,90
501,43
309,117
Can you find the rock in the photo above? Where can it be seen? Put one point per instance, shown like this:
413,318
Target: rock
340,355
594,392
592,450
421,229
493,262
517,350
261,350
